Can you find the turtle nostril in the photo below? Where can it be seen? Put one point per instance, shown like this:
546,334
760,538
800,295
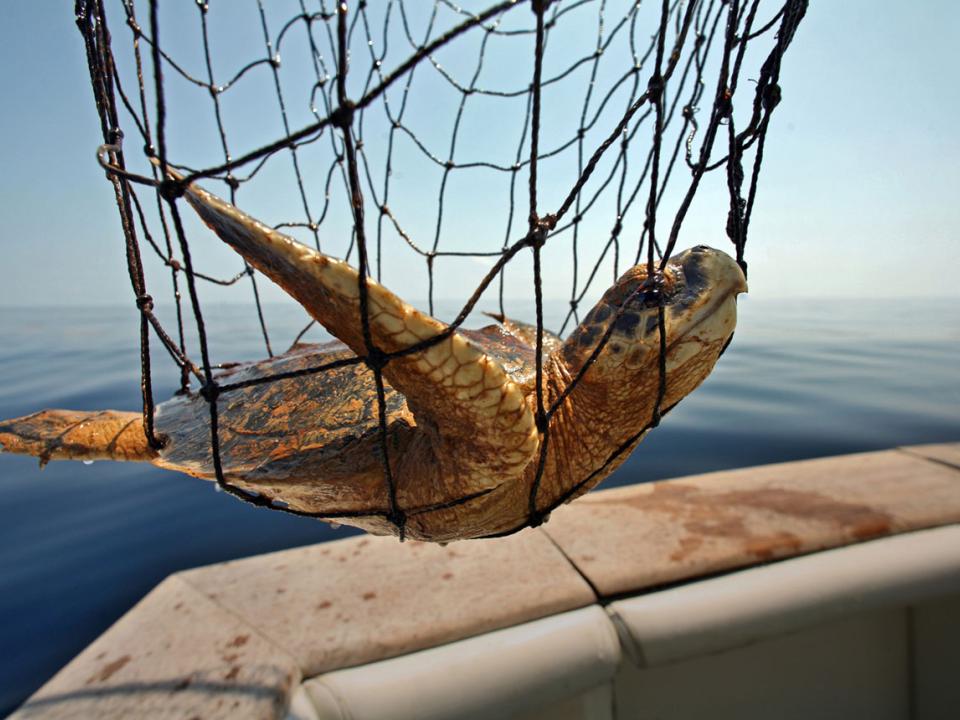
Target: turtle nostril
700,248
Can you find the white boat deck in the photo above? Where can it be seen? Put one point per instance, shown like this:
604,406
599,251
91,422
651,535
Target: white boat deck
823,588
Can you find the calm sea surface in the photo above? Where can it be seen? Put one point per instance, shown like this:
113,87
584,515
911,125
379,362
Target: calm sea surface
80,544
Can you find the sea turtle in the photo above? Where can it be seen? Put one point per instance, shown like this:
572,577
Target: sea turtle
462,437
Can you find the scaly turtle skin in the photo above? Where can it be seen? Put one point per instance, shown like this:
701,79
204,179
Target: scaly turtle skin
462,440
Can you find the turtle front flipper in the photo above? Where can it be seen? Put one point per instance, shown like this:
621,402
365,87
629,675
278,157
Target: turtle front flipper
71,435
479,430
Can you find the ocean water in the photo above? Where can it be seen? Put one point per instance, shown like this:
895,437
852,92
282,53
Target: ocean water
80,544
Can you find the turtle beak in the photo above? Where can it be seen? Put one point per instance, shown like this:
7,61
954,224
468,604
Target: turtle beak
703,267
706,283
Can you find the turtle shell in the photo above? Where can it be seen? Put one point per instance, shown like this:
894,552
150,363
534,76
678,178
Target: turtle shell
296,428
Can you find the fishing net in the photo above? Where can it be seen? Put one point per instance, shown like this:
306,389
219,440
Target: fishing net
519,145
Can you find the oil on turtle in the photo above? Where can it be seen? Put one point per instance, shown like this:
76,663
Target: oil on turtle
463,443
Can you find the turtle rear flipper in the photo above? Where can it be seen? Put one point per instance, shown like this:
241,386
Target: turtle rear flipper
476,418
71,435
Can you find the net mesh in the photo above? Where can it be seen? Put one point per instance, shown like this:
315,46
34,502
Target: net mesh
519,142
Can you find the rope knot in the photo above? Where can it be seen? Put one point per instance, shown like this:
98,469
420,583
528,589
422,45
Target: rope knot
540,6
399,520
543,422
145,303
342,117
538,518
771,96
539,229
536,238
655,87
171,190
376,359
210,391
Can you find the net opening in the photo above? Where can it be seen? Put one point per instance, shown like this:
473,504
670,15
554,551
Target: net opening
663,120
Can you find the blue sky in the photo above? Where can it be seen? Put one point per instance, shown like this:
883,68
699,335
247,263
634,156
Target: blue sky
858,195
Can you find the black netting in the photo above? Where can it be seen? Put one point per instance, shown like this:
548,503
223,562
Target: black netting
615,106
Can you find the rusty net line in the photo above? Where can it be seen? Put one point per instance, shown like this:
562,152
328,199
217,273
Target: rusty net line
665,113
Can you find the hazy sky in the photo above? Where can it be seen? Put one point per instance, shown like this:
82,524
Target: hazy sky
859,195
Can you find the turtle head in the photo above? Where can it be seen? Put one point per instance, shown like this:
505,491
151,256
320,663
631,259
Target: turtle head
697,289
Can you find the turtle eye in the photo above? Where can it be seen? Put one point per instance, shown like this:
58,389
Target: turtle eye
657,290
650,298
